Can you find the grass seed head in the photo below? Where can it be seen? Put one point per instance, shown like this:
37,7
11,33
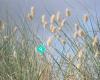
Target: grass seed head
58,17
81,53
81,33
78,66
43,19
29,16
49,41
52,19
62,23
85,18
68,12
33,11
14,54
76,27
45,24
97,54
1,25
52,28
59,28
95,41
63,41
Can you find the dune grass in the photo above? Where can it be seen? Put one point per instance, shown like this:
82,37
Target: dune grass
79,58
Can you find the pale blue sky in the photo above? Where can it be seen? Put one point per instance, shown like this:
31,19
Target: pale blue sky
23,6
13,8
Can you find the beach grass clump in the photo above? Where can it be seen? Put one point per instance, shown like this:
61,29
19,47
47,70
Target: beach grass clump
71,52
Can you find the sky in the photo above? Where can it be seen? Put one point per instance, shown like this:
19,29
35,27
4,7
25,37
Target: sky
78,7
16,9
19,8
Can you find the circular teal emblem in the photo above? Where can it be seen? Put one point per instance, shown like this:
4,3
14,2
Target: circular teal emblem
41,49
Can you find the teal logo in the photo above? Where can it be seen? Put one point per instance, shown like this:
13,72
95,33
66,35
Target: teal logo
41,49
